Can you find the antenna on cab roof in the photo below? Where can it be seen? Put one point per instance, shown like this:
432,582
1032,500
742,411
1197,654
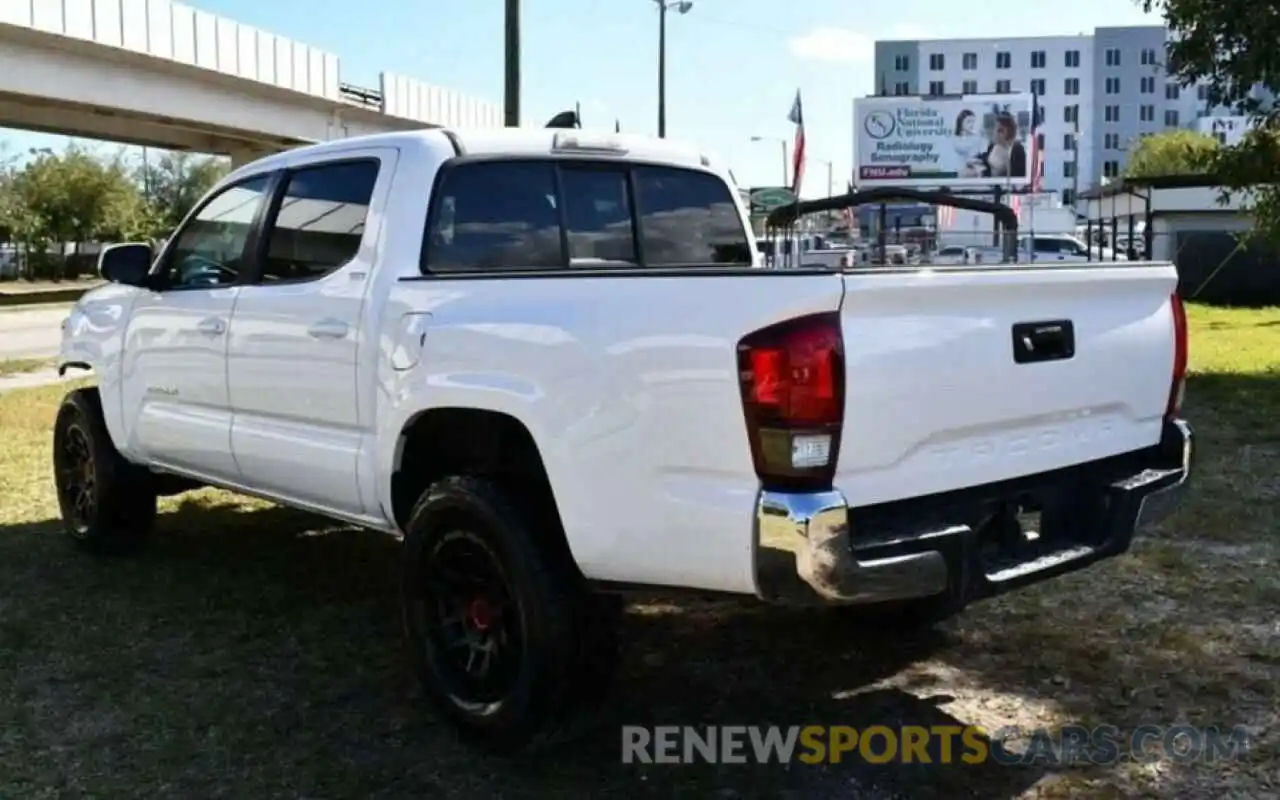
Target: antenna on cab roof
565,119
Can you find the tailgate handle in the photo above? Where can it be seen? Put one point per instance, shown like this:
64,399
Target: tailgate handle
1051,340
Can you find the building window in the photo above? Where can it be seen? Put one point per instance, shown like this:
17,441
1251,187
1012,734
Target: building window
1071,59
1068,196
1113,86
1037,59
969,61
1171,91
1110,141
937,62
1111,114
1171,117
1068,141
937,87
969,87
1037,86
1071,86
1113,57
1146,113
1004,60
1068,169
1202,92
1071,113
1040,142
1147,85
1221,137
1148,57
902,63
1110,169
902,88
1003,87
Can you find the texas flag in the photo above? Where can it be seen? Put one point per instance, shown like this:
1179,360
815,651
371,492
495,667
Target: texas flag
797,151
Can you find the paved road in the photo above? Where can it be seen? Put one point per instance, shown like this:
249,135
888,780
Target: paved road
31,334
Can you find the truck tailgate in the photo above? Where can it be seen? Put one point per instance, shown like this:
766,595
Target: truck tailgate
937,398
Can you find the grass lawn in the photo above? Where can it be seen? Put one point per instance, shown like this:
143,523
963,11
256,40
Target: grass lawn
21,366
254,652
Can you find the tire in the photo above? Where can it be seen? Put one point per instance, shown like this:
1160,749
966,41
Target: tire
554,644
108,504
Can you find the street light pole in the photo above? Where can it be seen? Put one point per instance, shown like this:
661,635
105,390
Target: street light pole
681,7
511,99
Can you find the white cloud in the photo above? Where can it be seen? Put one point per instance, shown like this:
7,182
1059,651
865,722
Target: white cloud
832,45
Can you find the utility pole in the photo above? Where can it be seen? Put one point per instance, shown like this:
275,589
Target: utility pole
662,69
511,60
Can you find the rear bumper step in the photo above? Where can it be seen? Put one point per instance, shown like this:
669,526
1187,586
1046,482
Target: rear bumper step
813,549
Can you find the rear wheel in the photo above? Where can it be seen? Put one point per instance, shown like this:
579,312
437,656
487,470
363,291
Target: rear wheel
506,638
108,504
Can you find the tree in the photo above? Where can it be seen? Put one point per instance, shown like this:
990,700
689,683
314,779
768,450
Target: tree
174,182
1230,47
68,197
1175,152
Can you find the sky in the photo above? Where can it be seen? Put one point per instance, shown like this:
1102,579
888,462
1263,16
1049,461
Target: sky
733,66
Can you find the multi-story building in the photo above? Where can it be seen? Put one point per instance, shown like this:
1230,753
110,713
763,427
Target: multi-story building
1097,92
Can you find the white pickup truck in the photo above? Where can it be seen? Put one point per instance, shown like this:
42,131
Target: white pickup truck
554,362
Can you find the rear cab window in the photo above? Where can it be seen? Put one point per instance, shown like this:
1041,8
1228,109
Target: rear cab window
553,214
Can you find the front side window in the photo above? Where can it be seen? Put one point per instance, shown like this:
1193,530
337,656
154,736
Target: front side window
209,250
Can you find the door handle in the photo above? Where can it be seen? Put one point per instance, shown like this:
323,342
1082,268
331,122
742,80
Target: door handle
214,326
328,329
1051,340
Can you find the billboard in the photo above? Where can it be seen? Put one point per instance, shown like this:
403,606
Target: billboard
973,140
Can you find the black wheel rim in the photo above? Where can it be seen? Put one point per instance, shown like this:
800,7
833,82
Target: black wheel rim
472,625
77,477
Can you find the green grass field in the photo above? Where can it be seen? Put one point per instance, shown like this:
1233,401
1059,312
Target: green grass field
253,652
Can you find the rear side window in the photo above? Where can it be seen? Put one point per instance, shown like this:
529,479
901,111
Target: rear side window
556,214
320,223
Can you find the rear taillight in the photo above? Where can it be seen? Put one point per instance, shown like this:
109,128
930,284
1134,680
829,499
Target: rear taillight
792,380
1179,383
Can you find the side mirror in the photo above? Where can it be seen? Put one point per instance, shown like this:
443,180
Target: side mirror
127,264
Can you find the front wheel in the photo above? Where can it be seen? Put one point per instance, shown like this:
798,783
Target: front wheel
506,639
108,505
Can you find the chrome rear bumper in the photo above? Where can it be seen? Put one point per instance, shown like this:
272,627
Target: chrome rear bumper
806,554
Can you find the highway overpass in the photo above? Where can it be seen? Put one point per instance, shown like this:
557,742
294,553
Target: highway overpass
161,74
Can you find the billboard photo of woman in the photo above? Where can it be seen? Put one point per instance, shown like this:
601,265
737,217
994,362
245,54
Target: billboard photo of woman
1005,157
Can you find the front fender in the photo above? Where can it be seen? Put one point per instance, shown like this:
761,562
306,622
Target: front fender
92,339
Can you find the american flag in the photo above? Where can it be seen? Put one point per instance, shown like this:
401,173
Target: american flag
797,151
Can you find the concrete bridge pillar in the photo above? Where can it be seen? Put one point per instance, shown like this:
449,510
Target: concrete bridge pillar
244,155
